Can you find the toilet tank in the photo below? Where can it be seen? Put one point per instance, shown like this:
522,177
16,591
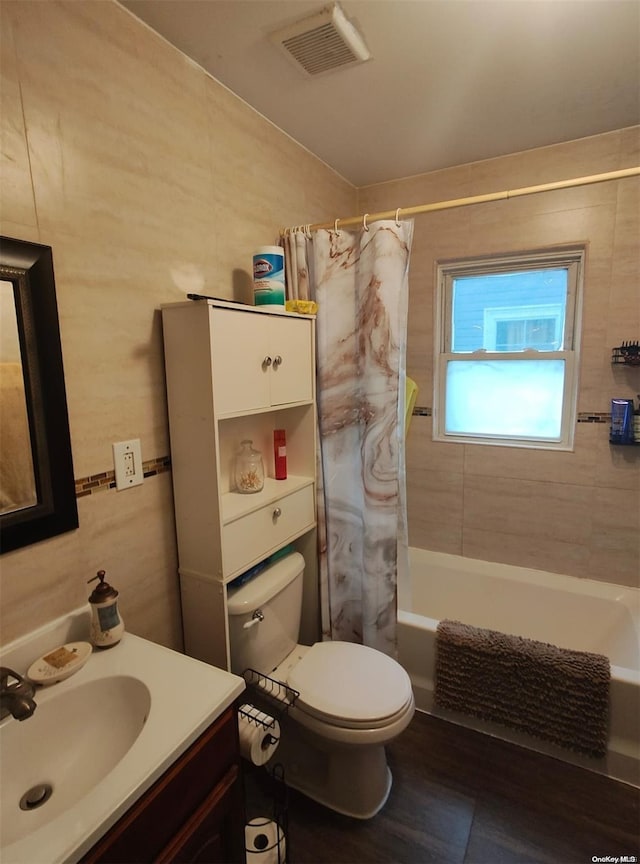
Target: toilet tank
277,593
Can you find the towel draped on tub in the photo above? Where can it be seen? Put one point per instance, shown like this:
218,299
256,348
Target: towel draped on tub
551,693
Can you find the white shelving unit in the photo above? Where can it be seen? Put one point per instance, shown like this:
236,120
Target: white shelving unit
236,372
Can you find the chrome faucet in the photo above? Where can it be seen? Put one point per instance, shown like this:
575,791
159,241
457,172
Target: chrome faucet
16,698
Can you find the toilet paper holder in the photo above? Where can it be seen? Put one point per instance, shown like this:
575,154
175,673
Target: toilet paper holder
258,718
270,696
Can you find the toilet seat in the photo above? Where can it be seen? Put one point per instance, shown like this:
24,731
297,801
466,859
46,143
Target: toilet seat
349,685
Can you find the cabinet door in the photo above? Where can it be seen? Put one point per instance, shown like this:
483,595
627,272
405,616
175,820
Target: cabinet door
240,346
290,345
215,832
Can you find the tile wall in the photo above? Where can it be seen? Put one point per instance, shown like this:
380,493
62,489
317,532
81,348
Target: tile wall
576,513
149,180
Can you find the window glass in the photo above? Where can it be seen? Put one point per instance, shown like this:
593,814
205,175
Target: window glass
506,353
509,311
505,398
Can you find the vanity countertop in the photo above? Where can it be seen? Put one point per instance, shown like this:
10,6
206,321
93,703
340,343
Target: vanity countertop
185,697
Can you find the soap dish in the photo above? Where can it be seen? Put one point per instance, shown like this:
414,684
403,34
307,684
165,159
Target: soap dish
60,663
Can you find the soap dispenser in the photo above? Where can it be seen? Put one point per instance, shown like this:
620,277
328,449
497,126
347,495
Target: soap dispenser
107,626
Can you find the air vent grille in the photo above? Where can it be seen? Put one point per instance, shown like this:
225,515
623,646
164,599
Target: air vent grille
320,49
323,42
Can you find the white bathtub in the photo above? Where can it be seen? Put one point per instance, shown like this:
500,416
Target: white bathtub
579,614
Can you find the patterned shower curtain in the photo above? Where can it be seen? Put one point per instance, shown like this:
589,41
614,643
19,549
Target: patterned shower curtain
360,282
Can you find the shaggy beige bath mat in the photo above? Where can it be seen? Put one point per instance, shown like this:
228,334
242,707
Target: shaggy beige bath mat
552,693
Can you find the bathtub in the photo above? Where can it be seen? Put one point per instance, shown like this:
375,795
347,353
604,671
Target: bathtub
579,614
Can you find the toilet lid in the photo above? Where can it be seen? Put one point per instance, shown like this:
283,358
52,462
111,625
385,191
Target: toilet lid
349,682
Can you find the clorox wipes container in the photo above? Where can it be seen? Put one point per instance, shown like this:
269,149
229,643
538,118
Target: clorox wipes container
268,276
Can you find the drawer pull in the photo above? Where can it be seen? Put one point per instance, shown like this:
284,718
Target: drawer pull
267,361
277,513
277,360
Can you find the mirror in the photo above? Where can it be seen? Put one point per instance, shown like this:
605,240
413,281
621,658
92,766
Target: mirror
37,490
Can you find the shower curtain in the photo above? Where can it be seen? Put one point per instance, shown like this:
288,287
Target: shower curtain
360,282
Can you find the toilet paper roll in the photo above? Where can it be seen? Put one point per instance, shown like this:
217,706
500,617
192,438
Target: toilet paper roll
264,842
257,743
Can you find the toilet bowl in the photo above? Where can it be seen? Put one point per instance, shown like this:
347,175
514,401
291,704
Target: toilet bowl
352,699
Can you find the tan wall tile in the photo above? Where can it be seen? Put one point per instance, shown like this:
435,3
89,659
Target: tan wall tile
528,508
551,466
434,502
553,556
16,202
425,454
616,467
615,544
149,180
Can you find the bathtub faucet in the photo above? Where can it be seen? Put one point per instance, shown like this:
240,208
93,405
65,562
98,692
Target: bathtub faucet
16,698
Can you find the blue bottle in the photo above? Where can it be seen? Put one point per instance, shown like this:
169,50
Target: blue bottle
621,421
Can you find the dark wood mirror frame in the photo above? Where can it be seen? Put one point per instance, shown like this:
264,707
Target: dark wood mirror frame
29,267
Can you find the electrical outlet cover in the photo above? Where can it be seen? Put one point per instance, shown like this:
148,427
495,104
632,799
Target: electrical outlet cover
127,460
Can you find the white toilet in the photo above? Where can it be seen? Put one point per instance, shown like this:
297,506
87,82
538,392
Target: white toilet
353,699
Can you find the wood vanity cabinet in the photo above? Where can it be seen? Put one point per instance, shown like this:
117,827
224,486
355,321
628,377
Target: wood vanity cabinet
193,813
236,372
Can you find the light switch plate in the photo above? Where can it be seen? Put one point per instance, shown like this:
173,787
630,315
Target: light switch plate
127,460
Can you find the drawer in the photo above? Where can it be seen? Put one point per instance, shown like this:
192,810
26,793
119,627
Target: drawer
254,536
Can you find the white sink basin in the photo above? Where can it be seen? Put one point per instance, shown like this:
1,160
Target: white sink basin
60,753
97,740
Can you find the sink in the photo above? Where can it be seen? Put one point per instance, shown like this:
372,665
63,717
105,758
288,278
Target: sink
97,740
71,742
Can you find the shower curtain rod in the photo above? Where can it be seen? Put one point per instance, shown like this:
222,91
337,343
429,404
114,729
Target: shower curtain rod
463,202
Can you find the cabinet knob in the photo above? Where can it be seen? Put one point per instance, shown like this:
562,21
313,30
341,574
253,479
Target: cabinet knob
267,361
277,513
277,360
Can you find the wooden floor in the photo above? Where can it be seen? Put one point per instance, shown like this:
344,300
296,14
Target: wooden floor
459,797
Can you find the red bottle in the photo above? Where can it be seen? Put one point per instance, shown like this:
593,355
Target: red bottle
280,453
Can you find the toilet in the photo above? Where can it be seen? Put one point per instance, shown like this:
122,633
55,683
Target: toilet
353,699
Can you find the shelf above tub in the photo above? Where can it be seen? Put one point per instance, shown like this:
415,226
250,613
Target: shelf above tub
627,354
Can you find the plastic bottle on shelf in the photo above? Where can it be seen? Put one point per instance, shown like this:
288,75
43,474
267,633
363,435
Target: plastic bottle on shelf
621,421
280,453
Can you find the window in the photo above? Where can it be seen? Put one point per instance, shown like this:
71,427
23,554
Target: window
506,349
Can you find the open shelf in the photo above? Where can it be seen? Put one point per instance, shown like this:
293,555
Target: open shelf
627,354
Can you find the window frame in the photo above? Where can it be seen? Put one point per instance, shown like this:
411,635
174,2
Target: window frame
573,258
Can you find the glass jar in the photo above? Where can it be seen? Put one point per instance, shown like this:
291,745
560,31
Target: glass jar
249,474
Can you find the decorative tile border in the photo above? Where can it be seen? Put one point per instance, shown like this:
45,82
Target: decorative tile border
593,417
583,417
107,479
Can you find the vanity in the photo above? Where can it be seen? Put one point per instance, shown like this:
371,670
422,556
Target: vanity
139,751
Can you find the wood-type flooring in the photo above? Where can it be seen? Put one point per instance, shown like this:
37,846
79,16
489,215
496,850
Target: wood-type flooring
460,797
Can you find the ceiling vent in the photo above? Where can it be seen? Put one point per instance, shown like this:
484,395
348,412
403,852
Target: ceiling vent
322,42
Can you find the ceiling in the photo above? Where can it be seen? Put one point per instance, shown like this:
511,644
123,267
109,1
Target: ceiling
449,82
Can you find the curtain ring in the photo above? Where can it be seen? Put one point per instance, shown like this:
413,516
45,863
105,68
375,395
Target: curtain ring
335,226
364,222
397,219
307,231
